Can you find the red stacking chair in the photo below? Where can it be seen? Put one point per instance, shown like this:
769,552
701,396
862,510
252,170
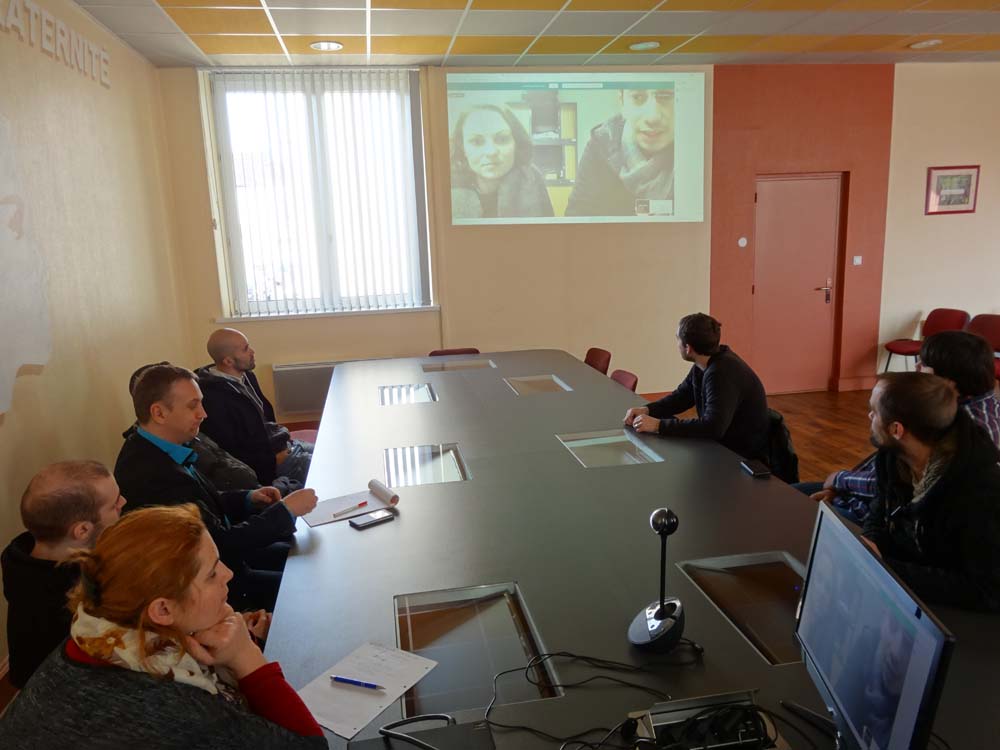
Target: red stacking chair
599,359
446,352
305,436
939,319
988,326
628,379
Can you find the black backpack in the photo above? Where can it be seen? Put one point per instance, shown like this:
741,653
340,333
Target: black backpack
780,451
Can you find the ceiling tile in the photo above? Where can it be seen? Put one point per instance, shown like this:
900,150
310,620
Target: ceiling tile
800,5
513,23
591,23
133,19
237,61
326,22
353,45
485,61
931,5
911,23
707,44
416,22
420,4
716,5
490,45
410,45
142,3
976,23
210,3
984,43
567,60
757,23
847,6
861,42
707,59
569,45
166,50
547,5
613,5
325,4
631,59
407,59
218,44
792,43
667,43
233,21
835,23
692,22
949,42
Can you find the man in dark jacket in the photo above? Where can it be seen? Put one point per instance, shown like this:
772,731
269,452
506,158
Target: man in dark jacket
65,507
157,466
727,394
935,518
240,418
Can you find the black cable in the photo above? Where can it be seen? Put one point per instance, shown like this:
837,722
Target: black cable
387,730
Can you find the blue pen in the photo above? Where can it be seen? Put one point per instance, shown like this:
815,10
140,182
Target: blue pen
356,683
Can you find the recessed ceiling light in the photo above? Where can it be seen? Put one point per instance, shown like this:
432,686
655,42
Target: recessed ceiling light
926,44
644,46
327,46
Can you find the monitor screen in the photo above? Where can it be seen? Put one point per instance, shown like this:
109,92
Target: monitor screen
877,655
542,148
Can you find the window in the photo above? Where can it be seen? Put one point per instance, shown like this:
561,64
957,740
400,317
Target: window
322,190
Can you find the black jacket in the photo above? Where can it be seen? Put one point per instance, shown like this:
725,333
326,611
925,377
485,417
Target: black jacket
37,617
148,476
731,404
946,546
239,425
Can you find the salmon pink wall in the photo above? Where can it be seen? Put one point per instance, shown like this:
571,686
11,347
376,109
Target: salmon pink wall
771,119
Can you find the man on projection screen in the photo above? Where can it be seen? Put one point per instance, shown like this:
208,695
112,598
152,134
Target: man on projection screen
627,167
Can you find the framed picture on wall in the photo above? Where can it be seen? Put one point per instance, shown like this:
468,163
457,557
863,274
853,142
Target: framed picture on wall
952,190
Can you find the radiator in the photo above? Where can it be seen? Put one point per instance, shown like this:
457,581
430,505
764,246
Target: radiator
301,388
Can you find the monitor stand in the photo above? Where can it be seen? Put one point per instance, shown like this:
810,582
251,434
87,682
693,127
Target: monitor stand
824,724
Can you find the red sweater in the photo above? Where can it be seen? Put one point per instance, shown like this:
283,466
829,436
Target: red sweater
267,693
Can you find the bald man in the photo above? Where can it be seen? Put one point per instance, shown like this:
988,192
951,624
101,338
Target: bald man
240,418
65,507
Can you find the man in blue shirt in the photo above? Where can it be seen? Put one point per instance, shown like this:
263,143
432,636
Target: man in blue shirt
158,467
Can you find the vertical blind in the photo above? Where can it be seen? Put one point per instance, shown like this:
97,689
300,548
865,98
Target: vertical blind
322,190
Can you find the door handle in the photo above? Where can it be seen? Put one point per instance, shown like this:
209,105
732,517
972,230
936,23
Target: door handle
826,289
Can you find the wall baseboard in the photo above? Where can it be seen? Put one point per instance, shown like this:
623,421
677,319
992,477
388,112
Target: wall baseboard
865,383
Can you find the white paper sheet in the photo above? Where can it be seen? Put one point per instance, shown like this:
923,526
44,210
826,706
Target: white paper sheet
377,496
346,709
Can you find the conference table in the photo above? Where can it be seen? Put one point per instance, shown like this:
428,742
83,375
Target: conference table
575,540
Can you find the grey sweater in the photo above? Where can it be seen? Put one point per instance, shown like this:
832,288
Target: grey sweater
68,704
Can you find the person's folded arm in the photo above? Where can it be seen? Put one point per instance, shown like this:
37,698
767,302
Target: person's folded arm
270,696
273,524
721,400
680,400
860,482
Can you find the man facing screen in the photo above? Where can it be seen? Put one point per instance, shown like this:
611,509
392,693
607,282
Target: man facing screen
491,171
628,164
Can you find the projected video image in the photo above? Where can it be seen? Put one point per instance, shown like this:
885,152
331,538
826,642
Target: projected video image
573,147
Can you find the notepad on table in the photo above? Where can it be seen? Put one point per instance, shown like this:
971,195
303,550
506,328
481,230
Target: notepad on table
346,709
376,497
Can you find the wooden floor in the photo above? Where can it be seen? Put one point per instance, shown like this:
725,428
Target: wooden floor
830,431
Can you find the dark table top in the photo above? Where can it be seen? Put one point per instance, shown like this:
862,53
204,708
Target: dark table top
576,540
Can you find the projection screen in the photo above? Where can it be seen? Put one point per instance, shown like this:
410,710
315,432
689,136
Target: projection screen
544,148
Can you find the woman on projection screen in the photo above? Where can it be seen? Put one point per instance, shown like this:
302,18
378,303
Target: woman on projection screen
627,167
491,171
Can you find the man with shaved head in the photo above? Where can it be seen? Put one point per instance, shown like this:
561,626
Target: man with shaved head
240,418
65,507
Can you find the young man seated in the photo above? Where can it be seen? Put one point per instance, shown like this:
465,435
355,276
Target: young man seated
240,418
959,356
64,509
157,466
727,394
935,517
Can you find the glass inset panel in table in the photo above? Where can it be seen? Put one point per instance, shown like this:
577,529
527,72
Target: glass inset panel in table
424,464
528,385
608,448
411,393
472,633
458,364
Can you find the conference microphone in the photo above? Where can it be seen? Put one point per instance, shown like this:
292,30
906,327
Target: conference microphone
661,624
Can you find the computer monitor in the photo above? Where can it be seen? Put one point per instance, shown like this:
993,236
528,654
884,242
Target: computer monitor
877,655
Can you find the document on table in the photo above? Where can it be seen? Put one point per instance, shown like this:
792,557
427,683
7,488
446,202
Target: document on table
376,497
346,709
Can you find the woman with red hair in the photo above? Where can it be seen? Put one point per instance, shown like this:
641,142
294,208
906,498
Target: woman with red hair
156,657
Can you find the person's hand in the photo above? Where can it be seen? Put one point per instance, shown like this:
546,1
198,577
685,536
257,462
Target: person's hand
635,411
823,495
266,495
258,623
646,423
828,482
301,502
280,457
227,644
871,545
